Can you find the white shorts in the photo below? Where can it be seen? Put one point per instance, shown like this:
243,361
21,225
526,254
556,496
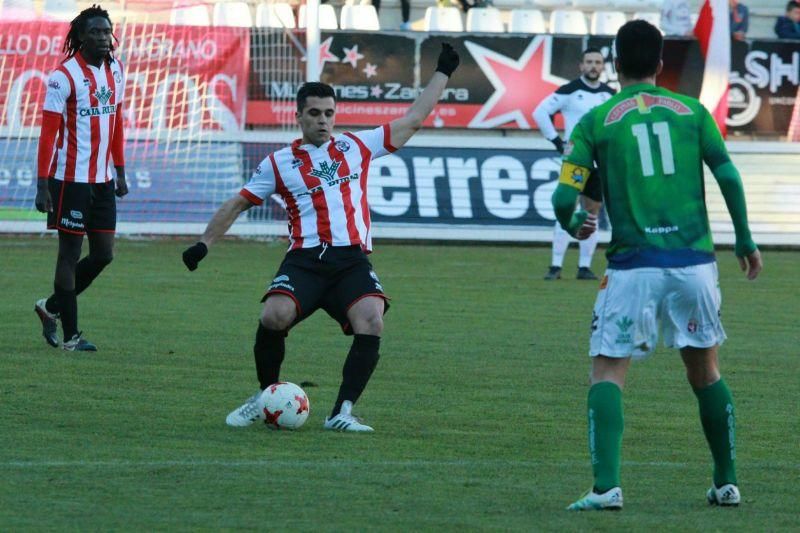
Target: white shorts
634,305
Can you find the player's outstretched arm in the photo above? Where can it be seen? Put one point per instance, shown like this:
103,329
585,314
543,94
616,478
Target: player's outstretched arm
730,184
219,224
403,128
580,224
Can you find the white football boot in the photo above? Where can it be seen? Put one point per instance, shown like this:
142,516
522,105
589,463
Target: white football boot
247,413
611,500
345,421
725,496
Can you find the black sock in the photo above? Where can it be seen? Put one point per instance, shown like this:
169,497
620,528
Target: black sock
358,367
269,349
86,271
68,305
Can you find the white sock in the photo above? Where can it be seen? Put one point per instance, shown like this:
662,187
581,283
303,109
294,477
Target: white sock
560,244
587,248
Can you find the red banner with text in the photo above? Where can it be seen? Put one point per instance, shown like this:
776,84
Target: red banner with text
178,77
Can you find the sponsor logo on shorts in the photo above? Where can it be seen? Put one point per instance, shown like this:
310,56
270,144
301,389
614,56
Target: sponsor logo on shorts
280,283
71,224
691,327
595,320
624,324
282,277
661,230
77,215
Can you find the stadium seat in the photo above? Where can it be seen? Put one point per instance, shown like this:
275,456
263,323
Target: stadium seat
359,17
232,14
652,17
18,10
607,22
526,21
443,19
570,22
591,4
553,4
485,19
277,15
327,17
196,15
64,10
636,5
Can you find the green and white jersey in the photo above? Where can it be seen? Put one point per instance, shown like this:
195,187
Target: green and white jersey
649,145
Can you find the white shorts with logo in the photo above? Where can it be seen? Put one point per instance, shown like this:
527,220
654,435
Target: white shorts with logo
633,306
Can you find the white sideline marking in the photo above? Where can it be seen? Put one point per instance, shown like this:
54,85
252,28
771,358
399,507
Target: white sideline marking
350,463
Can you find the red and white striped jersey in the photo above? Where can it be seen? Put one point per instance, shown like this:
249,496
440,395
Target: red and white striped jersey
324,188
88,99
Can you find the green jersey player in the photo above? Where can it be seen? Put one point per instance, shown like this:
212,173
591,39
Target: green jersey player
649,146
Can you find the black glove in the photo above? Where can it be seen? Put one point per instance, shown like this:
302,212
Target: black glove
448,60
558,142
194,254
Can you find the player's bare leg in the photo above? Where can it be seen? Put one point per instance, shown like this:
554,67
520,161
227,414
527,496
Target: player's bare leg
588,246
605,433
366,319
718,418
277,316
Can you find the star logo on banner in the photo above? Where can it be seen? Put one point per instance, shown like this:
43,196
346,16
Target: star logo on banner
352,56
325,54
520,84
375,91
370,70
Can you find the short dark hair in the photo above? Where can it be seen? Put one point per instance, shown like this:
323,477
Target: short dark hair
590,50
639,45
313,88
792,5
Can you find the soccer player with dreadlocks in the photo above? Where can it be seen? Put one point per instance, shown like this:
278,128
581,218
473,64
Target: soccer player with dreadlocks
81,134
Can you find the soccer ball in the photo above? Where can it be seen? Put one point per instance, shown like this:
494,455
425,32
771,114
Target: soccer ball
283,406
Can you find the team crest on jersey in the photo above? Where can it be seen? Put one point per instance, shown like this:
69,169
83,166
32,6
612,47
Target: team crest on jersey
117,76
342,146
103,94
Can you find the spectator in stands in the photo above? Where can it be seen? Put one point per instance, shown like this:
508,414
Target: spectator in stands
788,26
405,12
740,19
676,18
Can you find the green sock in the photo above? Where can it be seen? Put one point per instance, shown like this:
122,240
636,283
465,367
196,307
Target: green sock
719,425
605,434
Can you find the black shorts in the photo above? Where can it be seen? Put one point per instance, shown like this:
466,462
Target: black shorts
82,207
594,188
332,278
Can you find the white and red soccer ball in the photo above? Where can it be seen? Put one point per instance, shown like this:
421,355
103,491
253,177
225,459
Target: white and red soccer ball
283,406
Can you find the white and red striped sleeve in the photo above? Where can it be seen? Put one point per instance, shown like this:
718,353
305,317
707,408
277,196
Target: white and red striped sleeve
377,141
262,182
58,89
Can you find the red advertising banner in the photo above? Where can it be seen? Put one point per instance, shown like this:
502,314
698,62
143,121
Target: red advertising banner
177,76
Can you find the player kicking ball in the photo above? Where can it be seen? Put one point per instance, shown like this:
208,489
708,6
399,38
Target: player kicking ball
649,145
323,182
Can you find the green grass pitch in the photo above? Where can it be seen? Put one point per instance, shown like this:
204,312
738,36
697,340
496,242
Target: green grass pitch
478,401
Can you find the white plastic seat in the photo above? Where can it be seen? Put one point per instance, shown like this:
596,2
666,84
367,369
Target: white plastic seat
591,4
526,21
359,17
326,15
653,17
443,19
607,22
235,14
196,15
553,4
636,5
568,21
485,19
64,10
14,10
277,15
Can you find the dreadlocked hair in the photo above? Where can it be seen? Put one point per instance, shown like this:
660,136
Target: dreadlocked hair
73,41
